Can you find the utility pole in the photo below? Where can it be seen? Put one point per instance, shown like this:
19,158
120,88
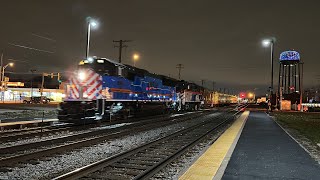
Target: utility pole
32,71
213,83
121,45
179,67
202,82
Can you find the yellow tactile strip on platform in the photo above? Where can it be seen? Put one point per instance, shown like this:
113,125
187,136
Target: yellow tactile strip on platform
208,164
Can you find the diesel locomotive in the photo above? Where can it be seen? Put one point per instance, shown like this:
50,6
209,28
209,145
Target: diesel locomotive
101,89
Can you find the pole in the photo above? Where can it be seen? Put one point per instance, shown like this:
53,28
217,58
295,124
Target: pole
42,84
271,86
88,40
120,50
32,71
121,45
179,67
2,84
301,87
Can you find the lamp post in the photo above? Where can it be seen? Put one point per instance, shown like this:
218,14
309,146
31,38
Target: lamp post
91,24
266,43
4,67
32,72
2,78
135,58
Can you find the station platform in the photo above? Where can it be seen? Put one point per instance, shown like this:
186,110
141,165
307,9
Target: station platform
254,147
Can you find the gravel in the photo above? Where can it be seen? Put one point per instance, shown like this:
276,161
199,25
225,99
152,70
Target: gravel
54,166
58,135
180,165
27,114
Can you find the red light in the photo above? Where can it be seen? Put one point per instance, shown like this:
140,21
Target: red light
242,95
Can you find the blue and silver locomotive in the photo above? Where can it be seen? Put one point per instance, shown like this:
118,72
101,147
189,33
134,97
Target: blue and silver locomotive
102,88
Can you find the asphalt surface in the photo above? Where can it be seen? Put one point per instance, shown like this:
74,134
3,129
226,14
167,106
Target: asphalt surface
265,151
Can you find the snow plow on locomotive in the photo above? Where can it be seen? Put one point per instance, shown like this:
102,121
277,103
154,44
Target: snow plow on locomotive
102,89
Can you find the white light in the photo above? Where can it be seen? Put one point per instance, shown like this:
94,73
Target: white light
82,76
63,95
100,61
90,59
93,23
266,42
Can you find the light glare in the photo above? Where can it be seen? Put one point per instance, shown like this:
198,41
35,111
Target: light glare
93,23
266,42
136,57
90,59
82,76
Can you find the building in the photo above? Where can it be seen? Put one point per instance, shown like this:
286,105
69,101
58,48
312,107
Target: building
27,85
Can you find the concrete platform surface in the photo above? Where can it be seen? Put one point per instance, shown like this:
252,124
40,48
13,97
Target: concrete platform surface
207,165
265,151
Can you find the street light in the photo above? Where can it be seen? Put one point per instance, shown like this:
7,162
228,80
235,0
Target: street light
32,72
266,43
91,24
135,58
4,67
2,77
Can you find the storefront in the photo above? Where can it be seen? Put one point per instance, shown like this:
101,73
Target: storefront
17,94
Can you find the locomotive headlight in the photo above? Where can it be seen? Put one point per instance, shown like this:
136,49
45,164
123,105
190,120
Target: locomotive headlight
90,59
81,76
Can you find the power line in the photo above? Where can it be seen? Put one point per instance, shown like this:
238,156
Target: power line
31,48
121,45
43,37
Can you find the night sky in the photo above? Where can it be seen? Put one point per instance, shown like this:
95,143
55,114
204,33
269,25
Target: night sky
215,40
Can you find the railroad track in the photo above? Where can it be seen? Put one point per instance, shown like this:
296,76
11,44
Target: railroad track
9,136
146,160
53,146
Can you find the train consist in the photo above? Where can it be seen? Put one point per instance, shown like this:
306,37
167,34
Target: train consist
102,88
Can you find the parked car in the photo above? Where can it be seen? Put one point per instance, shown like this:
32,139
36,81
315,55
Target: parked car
36,100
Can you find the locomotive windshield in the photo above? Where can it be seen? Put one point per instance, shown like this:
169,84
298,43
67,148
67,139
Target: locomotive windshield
101,66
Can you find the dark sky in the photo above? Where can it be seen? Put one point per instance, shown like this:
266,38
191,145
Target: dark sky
215,40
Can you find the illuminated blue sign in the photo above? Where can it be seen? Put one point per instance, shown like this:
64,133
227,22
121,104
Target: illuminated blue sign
290,56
